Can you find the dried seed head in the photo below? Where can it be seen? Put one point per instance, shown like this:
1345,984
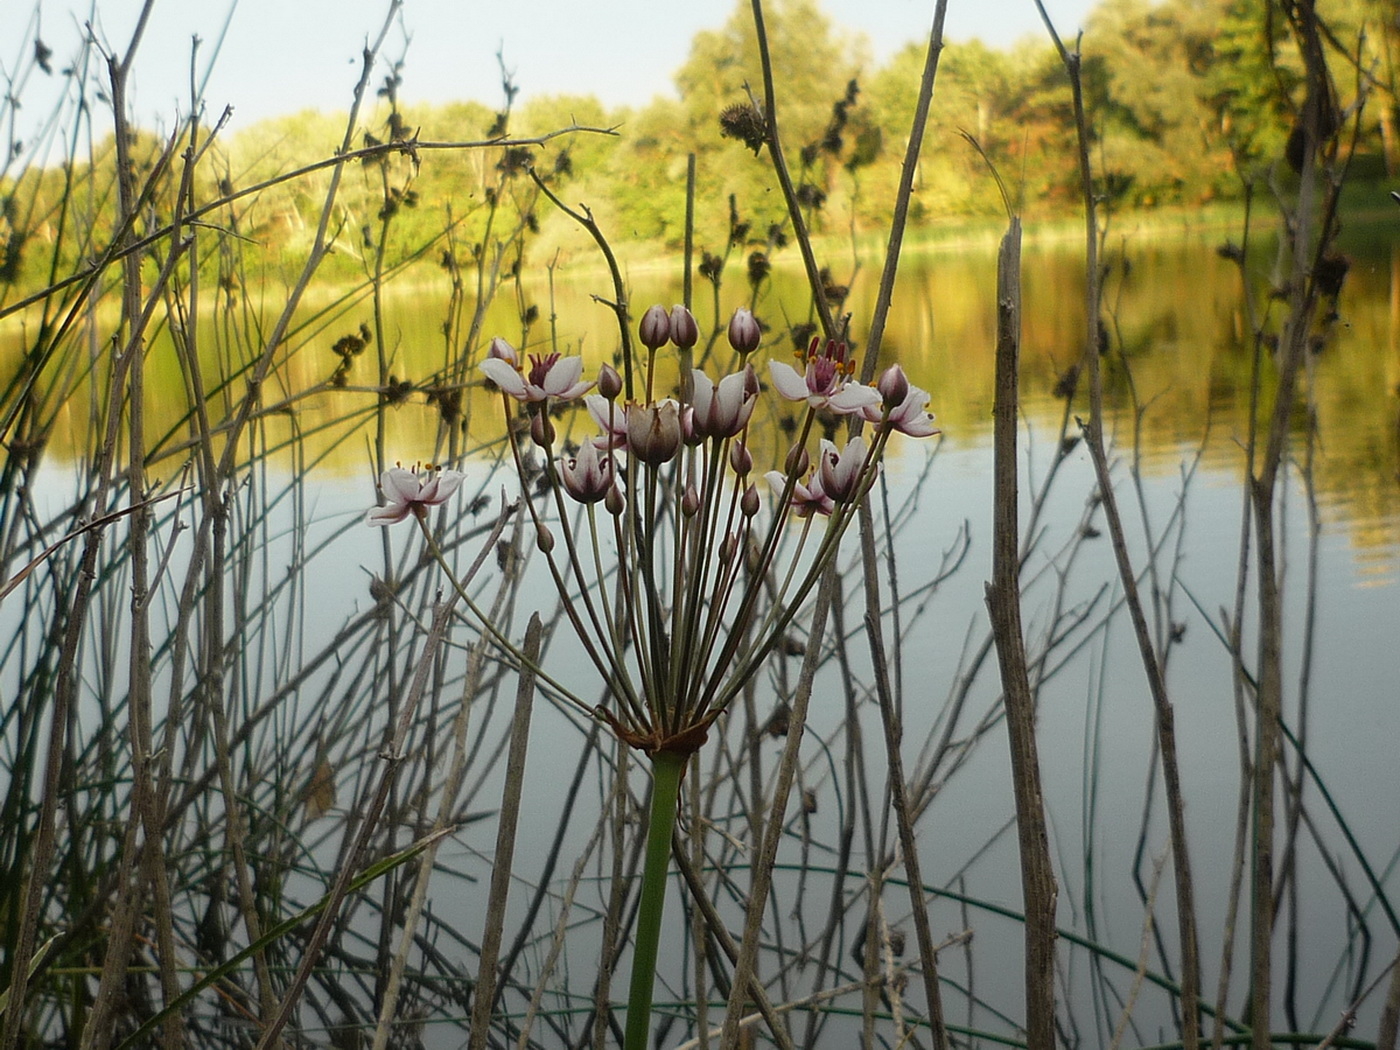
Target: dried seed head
743,122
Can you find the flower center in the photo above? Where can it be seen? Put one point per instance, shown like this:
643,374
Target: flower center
540,366
827,366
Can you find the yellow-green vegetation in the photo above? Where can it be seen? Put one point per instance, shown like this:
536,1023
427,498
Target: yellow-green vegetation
1187,99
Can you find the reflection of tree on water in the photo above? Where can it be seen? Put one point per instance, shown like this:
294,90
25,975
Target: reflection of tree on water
1173,315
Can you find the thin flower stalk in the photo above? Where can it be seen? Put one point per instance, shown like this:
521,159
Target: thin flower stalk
693,612
499,367
487,624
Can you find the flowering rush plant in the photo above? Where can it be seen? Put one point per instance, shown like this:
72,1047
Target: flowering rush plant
677,584
672,502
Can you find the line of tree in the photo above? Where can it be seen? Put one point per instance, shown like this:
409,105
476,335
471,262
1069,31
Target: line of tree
1188,98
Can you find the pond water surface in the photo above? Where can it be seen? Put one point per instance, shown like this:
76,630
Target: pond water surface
1180,343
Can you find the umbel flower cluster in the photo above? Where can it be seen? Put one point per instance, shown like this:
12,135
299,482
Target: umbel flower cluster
676,583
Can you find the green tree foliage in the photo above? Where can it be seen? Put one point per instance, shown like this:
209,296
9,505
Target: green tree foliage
1148,67
1252,61
976,96
1183,95
812,67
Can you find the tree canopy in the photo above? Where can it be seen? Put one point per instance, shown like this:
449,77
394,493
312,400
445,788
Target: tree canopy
1187,100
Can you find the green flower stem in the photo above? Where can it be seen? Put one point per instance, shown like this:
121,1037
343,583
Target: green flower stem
666,770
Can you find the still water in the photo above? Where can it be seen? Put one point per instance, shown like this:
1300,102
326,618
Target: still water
1181,349
1179,329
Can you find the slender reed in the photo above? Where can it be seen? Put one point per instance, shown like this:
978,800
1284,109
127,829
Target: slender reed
1038,888
1162,707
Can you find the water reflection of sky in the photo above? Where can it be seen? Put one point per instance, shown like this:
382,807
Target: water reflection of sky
1095,713
1178,310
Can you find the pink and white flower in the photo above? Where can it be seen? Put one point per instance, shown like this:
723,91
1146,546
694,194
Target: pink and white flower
904,407
407,492
826,380
724,410
841,473
807,498
587,477
550,376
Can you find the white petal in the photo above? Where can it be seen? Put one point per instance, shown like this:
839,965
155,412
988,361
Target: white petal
731,396
504,376
853,397
563,376
439,487
449,481
387,514
920,426
399,485
702,393
789,381
577,390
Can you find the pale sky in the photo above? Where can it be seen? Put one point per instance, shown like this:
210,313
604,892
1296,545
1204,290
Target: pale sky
284,55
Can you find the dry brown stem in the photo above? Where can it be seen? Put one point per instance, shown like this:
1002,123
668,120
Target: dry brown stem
1038,887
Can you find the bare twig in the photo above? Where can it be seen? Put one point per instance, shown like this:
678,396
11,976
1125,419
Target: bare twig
1162,707
763,862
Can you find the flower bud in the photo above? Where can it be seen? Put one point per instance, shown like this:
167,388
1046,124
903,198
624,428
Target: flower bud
655,328
609,382
615,501
727,547
797,461
544,539
541,429
654,431
689,431
753,556
842,472
684,330
500,350
690,501
748,502
744,332
740,459
893,385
